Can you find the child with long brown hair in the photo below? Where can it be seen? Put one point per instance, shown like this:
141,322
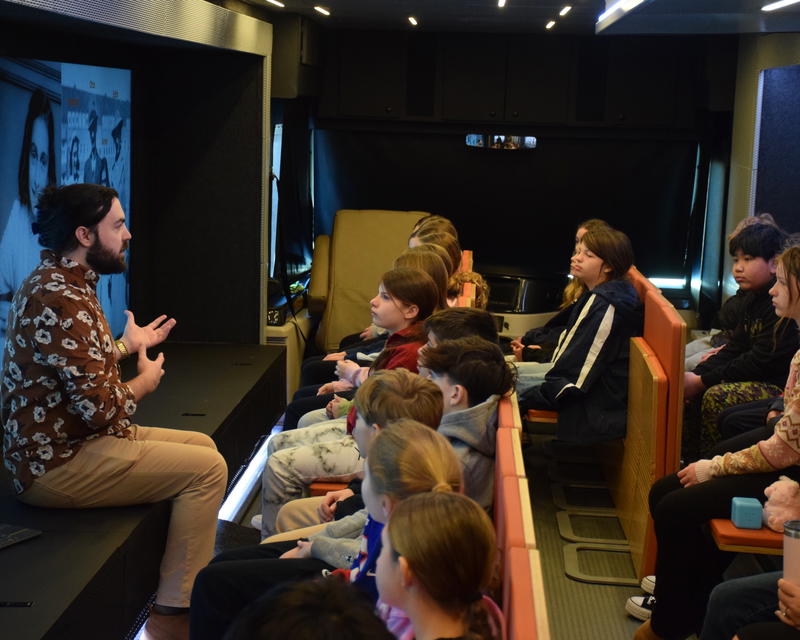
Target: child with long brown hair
437,560
406,297
538,344
363,347
587,381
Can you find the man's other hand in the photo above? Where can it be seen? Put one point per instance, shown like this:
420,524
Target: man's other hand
150,374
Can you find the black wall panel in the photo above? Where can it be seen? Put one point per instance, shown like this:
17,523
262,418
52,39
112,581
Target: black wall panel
778,174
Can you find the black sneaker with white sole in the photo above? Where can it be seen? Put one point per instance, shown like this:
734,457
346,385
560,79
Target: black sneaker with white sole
640,607
649,584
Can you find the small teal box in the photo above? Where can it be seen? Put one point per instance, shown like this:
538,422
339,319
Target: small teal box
746,513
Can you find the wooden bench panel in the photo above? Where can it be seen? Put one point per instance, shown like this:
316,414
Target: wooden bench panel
630,467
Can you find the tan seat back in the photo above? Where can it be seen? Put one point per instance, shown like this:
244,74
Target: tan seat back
363,247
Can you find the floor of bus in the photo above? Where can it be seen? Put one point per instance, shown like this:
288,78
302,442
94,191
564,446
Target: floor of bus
576,610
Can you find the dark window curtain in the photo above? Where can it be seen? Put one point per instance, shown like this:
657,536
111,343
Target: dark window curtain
295,211
518,209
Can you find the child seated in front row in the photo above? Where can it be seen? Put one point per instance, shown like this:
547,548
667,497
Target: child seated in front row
437,561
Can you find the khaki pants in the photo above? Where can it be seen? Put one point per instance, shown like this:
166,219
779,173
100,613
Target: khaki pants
158,464
297,519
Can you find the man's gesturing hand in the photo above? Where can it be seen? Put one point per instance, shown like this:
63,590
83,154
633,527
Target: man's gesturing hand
149,335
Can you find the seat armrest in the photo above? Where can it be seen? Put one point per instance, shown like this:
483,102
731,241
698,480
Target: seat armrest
320,275
541,415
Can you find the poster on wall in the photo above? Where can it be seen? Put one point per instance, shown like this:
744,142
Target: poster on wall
62,124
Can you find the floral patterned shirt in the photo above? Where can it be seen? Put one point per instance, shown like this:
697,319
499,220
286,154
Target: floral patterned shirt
61,384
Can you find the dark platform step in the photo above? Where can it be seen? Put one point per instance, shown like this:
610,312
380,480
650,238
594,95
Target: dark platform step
91,571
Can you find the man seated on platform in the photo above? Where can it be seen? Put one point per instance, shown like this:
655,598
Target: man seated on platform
69,440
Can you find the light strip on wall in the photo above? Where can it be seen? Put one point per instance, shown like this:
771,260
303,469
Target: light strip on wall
322,10
668,283
501,3
565,11
620,5
774,6
239,497
413,21
276,3
550,24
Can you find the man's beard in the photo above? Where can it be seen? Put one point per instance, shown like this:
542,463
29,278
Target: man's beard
102,260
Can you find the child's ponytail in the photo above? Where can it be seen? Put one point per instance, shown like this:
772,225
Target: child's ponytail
408,458
449,544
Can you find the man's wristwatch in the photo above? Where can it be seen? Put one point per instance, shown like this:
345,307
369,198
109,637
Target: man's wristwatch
122,348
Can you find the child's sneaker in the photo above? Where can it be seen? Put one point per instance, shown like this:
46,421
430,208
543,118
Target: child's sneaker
640,607
649,584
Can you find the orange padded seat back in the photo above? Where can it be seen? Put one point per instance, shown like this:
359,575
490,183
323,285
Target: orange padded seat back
665,332
524,602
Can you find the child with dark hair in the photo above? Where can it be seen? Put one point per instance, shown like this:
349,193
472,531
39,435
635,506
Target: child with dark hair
472,374
312,610
460,322
728,316
752,365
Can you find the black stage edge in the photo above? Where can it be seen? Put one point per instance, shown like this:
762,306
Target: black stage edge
91,571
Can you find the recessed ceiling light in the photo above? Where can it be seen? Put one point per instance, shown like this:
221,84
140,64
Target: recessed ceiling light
565,10
778,5
501,3
322,10
413,21
550,24
276,3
